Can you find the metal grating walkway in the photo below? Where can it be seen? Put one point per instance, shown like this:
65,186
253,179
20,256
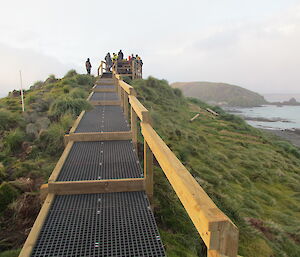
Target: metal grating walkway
106,225
107,118
104,96
109,224
101,160
105,86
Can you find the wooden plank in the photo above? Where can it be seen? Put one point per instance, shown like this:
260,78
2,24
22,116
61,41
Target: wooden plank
128,89
125,104
122,92
212,112
36,229
89,97
113,102
205,215
195,117
134,131
98,136
76,123
61,162
43,192
97,186
139,109
148,171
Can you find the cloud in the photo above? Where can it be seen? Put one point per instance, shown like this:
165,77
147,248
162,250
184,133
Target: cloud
34,66
261,56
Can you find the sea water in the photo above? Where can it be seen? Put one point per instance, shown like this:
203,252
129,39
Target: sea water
289,116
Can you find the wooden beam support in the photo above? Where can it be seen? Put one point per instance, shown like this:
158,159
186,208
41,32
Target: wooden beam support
148,171
61,162
98,186
125,104
134,131
76,123
98,136
89,97
38,224
122,92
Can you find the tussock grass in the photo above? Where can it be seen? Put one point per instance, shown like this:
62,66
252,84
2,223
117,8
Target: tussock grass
250,176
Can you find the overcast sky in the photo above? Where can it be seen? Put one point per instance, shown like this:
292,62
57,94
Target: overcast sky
251,43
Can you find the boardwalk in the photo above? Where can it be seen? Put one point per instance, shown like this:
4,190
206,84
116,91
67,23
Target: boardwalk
99,197
102,224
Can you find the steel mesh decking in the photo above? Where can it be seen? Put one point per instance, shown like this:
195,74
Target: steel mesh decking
106,225
105,86
104,96
101,160
103,119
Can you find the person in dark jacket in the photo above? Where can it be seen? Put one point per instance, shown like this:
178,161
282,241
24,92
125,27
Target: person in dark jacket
88,66
120,55
108,61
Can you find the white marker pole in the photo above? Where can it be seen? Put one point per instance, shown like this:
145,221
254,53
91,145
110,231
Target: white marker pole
22,96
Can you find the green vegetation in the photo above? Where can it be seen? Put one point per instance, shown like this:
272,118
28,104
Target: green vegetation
7,195
253,178
220,93
30,145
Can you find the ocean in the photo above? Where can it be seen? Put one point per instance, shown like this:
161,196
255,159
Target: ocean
285,117
281,97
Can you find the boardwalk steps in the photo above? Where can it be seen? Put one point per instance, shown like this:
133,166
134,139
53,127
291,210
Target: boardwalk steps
98,194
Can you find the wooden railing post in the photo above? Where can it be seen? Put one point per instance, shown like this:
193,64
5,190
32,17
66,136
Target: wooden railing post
122,97
125,104
133,117
148,170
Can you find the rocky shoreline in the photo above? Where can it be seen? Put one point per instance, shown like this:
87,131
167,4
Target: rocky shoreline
289,135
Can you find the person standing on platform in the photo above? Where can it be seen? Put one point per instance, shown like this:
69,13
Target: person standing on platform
115,57
120,55
88,66
108,61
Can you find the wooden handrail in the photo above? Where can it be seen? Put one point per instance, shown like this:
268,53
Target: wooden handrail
127,88
100,68
215,228
139,109
207,218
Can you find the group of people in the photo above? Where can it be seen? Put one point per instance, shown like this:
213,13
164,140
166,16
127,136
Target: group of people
111,60
120,57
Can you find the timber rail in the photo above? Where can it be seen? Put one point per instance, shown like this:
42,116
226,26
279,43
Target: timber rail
96,205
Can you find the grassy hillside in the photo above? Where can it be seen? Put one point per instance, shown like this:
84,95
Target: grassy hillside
220,93
30,145
252,177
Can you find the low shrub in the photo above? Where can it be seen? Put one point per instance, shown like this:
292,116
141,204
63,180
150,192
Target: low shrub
10,253
78,93
9,119
51,141
67,104
83,79
13,140
70,73
7,195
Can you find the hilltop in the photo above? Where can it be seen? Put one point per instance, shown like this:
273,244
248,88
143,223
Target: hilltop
220,94
253,178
